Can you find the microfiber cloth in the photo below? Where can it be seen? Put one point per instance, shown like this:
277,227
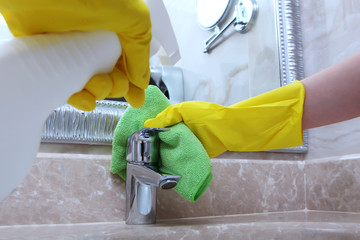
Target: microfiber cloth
181,153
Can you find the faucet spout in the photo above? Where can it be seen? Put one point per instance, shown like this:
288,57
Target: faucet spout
141,186
149,177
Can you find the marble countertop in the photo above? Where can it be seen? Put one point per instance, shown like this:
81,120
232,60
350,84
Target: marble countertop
292,225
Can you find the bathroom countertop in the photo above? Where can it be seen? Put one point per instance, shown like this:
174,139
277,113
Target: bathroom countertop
288,225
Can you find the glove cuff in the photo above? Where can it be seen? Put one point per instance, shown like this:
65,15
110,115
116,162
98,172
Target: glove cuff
272,120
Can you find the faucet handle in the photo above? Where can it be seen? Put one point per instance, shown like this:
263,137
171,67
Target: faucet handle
150,177
168,181
152,131
143,146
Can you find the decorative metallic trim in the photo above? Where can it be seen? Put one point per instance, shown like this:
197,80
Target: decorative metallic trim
290,41
290,52
69,125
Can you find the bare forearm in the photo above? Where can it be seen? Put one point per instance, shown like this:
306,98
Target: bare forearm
333,95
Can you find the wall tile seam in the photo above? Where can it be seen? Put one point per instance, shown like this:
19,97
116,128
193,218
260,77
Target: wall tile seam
305,192
205,218
46,225
71,156
79,156
258,161
341,158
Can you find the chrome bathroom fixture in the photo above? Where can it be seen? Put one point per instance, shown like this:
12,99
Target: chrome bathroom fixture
142,177
212,13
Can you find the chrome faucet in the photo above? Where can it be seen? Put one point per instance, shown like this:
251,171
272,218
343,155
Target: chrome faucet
142,177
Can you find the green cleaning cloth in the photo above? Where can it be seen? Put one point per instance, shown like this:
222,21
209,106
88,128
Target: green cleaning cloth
181,153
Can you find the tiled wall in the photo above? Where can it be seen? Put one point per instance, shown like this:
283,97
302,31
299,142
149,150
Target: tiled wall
333,184
331,34
79,188
66,189
73,188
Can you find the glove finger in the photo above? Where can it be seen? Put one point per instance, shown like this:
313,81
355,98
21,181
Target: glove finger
83,100
134,32
170,116
135,96
134,60
100,86
120,84
188,112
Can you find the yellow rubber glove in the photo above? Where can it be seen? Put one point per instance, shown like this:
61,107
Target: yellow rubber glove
269,121
129,19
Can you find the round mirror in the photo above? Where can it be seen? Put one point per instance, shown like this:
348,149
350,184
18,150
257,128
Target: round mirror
211,12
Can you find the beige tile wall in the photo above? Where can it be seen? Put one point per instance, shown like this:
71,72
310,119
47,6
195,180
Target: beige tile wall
79,188
331,33
75,188
333,184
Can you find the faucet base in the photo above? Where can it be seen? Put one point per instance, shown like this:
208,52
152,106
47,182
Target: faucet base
140,200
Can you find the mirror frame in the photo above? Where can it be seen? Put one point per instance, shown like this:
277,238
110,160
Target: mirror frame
290,52
68,125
